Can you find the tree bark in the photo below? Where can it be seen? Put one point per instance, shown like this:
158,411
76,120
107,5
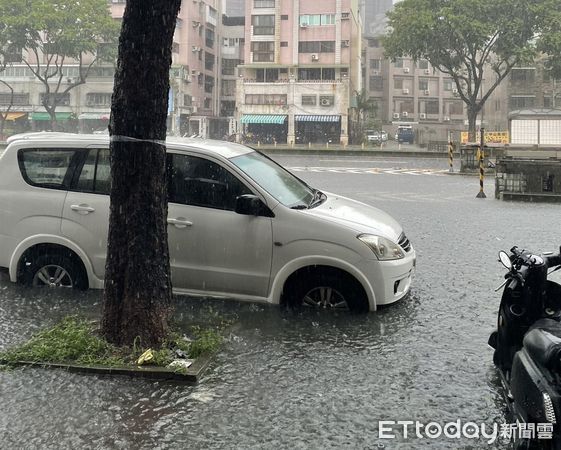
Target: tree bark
137,296
472,122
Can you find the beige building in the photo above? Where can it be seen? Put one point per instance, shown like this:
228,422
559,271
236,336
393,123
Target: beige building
302,66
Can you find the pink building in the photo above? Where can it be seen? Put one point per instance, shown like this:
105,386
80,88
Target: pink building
302,66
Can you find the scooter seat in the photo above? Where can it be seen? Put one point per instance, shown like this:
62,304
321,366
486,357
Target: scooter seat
543,343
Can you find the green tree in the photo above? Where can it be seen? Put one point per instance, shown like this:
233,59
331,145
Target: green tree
53,35
137,296
469,40
366,110
549,42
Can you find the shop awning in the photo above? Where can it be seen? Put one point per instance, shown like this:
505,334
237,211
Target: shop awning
312,118
13,115
94,116
45,116
264,118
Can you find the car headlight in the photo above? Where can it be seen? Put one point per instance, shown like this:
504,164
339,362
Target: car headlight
383,248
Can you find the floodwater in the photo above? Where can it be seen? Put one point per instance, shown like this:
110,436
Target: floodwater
304,380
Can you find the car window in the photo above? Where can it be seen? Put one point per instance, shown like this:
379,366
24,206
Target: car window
277,181
95,174
199,182
46,167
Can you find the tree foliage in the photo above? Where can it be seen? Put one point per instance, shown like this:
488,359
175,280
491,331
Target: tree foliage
549,42
469,40
54,34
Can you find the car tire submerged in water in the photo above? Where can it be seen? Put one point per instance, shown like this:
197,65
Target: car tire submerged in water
326,290
53,270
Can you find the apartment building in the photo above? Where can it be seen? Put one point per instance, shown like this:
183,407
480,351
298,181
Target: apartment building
194,92
301,69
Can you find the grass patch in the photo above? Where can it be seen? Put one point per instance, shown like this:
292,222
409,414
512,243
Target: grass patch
76,340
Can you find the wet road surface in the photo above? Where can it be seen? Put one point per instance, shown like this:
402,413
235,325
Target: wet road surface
305,380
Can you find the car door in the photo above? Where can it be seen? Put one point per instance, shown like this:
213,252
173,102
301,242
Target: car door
212,248
85,216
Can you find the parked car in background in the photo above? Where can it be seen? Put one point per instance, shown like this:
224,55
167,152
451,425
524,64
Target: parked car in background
239,225
376,137
405,134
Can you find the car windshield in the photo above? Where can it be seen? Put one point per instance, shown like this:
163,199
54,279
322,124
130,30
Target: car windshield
276,180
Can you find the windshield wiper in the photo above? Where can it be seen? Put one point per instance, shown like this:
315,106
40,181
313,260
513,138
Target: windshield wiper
317,199
299,206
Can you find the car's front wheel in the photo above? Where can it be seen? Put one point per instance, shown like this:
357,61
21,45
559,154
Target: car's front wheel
326,290
54,271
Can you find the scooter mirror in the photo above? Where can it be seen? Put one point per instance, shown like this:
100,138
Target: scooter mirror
505,259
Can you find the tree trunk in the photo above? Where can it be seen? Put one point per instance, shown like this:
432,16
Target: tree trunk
137,296
472,121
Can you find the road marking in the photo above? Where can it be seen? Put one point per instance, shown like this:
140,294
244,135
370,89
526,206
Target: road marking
371,170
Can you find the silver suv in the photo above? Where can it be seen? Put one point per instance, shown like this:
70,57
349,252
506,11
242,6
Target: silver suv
240,225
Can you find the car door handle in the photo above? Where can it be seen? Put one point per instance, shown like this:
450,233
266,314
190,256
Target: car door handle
180,222
82,208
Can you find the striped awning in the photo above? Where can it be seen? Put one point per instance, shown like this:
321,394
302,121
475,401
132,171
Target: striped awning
312,118
94,116
264,118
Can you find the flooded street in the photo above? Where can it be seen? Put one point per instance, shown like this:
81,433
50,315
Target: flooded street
306,380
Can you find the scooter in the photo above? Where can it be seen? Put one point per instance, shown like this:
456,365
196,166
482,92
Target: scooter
527,346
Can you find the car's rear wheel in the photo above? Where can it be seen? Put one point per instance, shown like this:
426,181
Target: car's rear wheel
326,290
53,271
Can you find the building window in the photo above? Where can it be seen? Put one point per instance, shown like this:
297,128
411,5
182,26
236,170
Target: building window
284,17
448,85
209,84
423,64
265,99
317,19
520,102
263,25
263,51
375,64
228,88
327,73
59,99
267,75
309,100
229,66
455,108
399,63
17,99
326,100
187,100
429,107
423,85
95,99
284,43
316,47
398,83
175,47
209,38
263,3
523,75
209,61
373,43
376,83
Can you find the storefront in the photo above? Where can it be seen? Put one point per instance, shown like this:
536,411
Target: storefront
93,122
317,129
264,128
65,121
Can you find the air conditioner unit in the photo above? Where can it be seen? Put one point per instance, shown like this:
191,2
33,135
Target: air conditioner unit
404,114
446,119
196,24
187,77
422,116
303,25
344,44
195,48
345,15
396,115
427,92
406,70
427,71
405,91
325,102
315,57
454,90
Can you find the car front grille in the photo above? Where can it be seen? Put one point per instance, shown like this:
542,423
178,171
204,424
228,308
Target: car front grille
404,243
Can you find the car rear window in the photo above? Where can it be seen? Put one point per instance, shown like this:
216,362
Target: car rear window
46,167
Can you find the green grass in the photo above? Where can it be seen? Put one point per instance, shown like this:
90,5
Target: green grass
75,340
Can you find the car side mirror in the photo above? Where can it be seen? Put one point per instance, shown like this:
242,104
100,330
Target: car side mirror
251,205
